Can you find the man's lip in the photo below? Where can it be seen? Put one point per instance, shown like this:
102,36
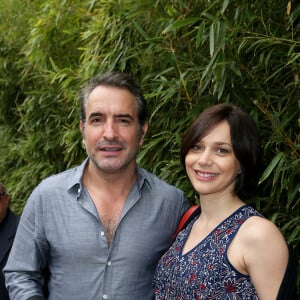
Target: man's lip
109,146
110,149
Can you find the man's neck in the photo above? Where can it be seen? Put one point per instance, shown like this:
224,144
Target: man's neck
118,183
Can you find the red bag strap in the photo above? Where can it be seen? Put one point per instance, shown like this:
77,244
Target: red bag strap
186,218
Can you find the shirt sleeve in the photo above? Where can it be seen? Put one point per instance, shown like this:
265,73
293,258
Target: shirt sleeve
28,255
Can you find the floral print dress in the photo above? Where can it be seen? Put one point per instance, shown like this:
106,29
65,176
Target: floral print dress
205,273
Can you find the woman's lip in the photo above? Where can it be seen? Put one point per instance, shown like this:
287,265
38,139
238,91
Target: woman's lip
206,175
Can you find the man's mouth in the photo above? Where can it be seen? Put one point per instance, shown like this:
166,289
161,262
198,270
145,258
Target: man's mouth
110,149
109,146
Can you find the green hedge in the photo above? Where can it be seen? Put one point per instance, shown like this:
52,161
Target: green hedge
186,54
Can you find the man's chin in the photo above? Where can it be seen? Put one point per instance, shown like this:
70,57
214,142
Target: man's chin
110,168
112,165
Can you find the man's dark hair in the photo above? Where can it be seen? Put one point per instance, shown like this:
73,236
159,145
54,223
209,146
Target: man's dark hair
119,80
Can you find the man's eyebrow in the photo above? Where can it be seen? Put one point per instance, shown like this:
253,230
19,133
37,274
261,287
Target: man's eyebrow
125,116
98,114
93,114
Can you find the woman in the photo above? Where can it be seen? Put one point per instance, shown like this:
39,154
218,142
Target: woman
230,251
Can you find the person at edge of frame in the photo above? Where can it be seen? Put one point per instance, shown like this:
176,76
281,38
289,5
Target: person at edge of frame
8,227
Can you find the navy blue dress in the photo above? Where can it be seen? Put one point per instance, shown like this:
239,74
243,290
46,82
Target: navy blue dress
205,271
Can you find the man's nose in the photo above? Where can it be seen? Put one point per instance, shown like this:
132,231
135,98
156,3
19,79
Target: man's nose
110,130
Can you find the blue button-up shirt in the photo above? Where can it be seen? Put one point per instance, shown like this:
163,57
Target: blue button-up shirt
60,227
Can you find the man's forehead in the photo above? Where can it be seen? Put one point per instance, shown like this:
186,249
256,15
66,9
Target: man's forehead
112,106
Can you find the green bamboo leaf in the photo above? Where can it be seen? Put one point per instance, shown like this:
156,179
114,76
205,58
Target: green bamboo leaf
200,34
271,167
140,30
280,175
221,35
294,236
209,66
293,58
234,67
224,6
180,23
212,39
54,66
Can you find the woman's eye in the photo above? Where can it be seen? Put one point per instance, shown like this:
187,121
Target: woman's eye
222,151
196,147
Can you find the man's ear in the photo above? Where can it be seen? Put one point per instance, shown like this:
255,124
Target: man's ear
143,133
82,129
81,126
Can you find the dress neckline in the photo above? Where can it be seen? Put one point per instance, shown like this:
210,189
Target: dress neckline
190,226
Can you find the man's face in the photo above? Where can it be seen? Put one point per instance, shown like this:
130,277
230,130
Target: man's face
112,133
4,200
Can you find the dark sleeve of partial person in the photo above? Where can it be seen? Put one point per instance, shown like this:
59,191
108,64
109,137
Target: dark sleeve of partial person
3,290
288,287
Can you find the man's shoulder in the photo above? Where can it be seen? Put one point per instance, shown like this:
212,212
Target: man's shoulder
59,182
64,177
59,176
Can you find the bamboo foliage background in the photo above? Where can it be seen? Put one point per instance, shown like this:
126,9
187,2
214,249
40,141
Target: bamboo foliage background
186,54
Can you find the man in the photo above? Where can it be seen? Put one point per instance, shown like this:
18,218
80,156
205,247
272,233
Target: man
8,226
101,227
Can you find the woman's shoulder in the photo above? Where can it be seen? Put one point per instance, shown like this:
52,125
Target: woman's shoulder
261,241
264,253
260,229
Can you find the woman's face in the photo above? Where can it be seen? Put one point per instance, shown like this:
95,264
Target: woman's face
211,164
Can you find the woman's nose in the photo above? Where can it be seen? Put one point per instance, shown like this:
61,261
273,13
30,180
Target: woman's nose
205,158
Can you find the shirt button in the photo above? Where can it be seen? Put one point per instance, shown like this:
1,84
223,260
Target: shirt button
109,263
102,233
104,297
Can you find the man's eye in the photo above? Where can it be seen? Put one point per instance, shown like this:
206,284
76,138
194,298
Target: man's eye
124,121
96,120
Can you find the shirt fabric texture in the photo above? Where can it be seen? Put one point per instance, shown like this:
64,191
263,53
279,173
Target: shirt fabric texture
60,227
204,272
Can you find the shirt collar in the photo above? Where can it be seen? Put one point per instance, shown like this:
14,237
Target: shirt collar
75,179
142,178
